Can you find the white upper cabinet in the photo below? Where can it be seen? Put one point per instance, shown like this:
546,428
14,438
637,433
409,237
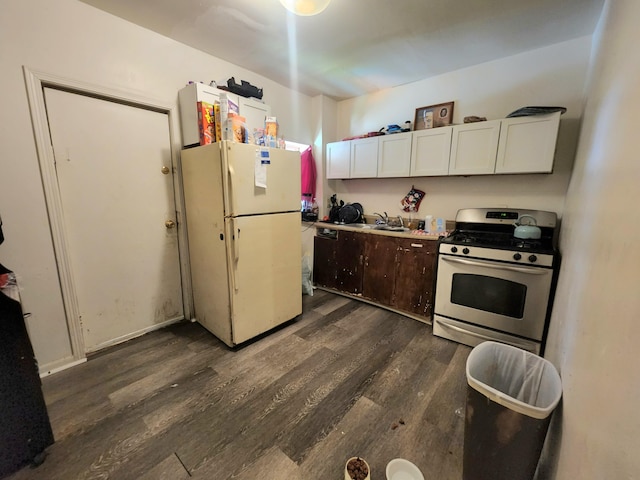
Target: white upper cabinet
254,111
528,144
474,147
364,157
394,155
338,159
430,151
510,145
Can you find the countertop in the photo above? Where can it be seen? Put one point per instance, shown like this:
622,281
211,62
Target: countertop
372,231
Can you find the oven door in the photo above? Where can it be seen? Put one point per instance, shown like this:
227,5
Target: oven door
501,296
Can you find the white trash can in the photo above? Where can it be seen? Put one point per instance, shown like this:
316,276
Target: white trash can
511,394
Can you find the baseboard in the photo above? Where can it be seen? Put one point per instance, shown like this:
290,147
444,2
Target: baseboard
59,365
130,336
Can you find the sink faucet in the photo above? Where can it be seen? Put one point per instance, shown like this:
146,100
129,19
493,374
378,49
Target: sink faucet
383,220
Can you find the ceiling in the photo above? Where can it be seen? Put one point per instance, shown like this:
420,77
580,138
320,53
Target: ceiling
357,47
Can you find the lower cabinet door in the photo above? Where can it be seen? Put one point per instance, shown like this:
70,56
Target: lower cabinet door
349,262
379,268
325,268
413,292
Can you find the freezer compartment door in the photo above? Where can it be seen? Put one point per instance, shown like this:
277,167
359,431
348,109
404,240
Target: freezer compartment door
282,193
265,253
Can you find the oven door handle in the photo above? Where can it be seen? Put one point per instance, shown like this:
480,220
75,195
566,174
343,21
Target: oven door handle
497,266
483,337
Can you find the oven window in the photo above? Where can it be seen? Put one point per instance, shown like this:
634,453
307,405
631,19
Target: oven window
489,294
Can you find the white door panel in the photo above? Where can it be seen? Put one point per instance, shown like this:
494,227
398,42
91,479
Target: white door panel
115,202
283,181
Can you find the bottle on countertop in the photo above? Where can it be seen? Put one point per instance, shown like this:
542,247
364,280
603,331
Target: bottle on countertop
428,220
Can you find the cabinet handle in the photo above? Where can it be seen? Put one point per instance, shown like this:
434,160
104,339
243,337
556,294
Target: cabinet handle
417,245
360,259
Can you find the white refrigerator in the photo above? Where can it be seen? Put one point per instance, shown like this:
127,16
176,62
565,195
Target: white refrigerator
243,223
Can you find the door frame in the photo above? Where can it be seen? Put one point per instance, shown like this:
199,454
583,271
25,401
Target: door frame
36,81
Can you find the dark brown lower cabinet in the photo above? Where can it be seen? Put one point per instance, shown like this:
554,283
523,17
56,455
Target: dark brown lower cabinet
338,262
391,271
325,269
349,261
414,283
379,268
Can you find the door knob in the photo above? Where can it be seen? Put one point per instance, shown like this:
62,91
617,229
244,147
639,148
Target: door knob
169,224
165,170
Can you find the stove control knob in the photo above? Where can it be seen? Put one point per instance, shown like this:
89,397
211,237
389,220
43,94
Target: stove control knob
454,249
532,258
465,250
517,256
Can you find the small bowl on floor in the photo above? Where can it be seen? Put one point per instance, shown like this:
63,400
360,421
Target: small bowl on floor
362,462
401,469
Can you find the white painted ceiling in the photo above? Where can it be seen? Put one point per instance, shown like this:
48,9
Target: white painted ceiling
356,47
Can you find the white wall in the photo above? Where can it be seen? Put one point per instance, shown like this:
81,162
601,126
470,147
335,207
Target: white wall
595,327
73,40
553,75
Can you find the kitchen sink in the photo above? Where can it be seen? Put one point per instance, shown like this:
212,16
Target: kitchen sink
360,225
389,228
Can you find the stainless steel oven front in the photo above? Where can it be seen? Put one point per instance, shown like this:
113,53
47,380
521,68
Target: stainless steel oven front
480,298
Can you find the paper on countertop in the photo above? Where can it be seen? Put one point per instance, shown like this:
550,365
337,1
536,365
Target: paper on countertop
263,159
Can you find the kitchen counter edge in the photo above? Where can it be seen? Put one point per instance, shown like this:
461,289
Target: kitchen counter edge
369,231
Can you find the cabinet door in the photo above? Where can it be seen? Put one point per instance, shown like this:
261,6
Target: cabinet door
325,270
364,157
188,97
338,159
254,113
379,268
474,147
414,282
394,155
528,144
349,261
430,152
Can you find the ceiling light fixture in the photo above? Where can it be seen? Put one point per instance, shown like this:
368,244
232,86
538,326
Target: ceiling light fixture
305,8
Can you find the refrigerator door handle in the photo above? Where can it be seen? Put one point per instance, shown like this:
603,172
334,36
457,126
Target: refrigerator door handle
228,180
235,237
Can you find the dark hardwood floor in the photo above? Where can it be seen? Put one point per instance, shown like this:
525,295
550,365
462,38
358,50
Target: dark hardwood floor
345,379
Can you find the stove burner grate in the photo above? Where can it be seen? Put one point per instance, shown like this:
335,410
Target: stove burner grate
498,240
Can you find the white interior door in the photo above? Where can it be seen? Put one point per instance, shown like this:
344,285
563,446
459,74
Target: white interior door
115,201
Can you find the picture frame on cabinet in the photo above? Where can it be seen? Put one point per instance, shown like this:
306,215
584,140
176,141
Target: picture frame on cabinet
433,116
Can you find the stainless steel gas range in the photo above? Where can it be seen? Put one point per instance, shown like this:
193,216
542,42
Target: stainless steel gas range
491,285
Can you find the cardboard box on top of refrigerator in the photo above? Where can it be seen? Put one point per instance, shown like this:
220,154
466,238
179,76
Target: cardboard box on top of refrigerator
227,108
271,132
216,116
271,126
238,128
206,123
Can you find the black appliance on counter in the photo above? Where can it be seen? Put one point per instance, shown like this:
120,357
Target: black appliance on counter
25,431
491,284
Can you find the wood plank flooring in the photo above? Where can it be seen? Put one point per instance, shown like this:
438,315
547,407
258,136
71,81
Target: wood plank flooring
344,379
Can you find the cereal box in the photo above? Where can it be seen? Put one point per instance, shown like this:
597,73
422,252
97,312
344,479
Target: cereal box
206,123
216,116
238,128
